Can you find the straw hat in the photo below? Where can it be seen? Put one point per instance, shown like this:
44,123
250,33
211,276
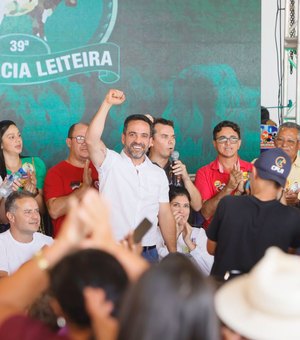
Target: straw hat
264,304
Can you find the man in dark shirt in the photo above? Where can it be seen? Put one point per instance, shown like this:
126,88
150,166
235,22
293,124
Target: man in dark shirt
245,226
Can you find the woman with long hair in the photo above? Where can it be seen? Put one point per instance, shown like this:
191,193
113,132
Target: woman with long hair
172,301
11,146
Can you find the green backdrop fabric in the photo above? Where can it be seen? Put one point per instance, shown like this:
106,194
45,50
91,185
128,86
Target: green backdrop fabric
195,62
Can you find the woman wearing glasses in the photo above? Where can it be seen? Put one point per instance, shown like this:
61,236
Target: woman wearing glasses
11,161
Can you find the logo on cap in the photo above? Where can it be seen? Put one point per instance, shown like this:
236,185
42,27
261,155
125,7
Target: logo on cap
279,163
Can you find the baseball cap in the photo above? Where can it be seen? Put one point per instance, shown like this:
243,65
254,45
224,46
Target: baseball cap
264,304
275,165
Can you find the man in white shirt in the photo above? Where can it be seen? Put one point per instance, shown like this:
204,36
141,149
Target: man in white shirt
133,185
19,243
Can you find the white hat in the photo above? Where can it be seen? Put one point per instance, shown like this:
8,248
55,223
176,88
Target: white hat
264,304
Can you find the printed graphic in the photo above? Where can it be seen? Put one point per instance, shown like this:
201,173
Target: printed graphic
35,44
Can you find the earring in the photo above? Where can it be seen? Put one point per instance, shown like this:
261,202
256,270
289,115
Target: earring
61,322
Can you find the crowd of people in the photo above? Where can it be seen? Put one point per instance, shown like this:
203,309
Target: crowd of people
213,279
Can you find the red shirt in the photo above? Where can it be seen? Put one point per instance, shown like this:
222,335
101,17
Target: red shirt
212,178
61,180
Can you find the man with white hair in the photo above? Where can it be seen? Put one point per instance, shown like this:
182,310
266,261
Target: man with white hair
288,139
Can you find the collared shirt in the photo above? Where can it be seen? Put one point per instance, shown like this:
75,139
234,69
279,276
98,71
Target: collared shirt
211,179
294,175
133,192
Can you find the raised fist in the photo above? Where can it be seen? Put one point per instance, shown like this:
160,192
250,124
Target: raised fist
115,97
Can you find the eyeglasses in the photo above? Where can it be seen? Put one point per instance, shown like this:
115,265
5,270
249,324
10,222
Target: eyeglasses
231,139
79,139
289,142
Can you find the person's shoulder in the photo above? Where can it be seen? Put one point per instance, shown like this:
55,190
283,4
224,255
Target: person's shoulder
5,235
245,165
208,167
34,160
59,166
43,238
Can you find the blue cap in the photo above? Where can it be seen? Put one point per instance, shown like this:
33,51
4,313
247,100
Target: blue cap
274,165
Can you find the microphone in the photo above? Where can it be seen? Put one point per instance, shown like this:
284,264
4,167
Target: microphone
176,180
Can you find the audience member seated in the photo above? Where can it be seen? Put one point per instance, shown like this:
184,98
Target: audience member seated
171,301
190,241
265,304
11,161
134,187
227,174
160,152
245,226
86,226
288,139
69,177
95,269
21,240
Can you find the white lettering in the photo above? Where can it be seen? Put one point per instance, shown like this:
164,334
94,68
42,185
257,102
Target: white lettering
24,71
77,60
51,66
106,59
40,72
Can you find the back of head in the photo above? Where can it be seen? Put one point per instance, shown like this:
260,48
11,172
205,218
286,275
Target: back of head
86,268
171,301
274,165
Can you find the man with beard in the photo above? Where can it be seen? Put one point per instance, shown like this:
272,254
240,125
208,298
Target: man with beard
133,185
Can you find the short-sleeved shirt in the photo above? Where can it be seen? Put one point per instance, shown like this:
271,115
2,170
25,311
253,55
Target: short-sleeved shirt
245,227
39,167
61,180
211,179
13,253
133,192
294,175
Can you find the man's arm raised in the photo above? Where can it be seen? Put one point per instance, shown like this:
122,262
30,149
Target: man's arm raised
96,147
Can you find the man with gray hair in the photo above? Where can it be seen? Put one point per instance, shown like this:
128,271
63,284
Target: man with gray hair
21,241
288,139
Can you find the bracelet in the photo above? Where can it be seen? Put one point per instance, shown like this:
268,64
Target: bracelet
42,262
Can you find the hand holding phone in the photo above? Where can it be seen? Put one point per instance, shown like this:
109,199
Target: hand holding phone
141,230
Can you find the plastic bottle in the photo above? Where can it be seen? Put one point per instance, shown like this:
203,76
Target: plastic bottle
6,186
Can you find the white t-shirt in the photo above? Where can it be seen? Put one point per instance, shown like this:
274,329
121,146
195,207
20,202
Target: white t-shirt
133,192
13,253
200,254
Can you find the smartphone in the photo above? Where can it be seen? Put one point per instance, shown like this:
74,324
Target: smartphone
141,230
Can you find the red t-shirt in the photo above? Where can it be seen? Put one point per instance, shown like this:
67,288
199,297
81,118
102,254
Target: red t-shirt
211,179
61,180
22,327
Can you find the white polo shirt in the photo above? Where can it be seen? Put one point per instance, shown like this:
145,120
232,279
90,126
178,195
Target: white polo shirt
133,192
13,253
